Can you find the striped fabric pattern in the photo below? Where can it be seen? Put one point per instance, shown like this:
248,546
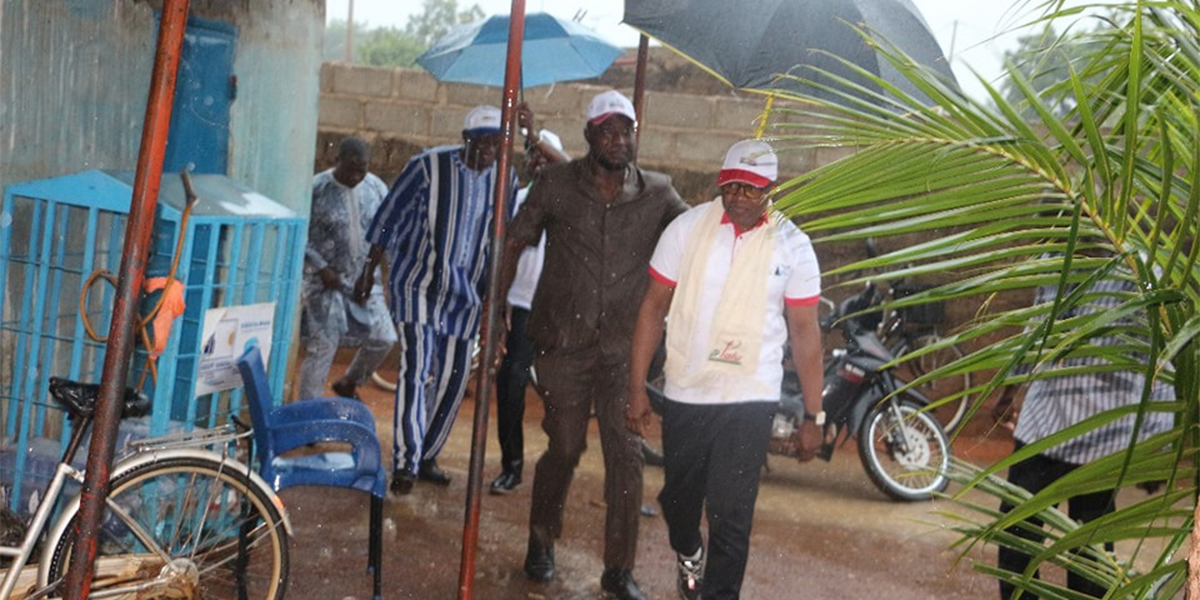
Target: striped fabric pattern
433,376
1055,403
435,226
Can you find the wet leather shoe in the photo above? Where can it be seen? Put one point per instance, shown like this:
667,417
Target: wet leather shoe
539,561
619,583
506,483
402,482
429,471
345,389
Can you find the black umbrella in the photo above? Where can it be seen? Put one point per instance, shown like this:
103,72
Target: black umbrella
749,43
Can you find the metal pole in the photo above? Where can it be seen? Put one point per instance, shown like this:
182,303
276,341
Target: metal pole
133,270
483,382
350,33
639,82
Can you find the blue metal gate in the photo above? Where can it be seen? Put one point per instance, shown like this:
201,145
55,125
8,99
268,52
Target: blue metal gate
239,248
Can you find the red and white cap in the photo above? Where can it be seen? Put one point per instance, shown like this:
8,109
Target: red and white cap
750,161
607,104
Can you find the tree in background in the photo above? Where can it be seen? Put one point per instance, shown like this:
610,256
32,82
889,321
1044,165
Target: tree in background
1030,190
394,47
1045,60
335,39
388,47
438,17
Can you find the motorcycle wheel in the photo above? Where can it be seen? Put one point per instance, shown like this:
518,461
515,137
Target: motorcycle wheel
905,457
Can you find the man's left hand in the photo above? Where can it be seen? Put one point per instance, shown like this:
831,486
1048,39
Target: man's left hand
525,118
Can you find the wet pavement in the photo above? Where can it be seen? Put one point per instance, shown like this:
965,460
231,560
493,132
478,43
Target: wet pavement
821,531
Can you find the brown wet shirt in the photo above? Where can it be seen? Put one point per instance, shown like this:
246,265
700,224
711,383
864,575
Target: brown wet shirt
597,256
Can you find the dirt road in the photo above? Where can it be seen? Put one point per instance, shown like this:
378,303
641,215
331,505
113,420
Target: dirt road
821,531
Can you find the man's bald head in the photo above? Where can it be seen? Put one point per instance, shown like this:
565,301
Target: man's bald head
353,157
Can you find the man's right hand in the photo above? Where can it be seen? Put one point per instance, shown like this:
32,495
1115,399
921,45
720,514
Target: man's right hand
330,278
637,411
1005,411
810,441
363,285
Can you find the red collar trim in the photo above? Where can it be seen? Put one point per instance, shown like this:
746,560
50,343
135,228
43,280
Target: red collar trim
738,230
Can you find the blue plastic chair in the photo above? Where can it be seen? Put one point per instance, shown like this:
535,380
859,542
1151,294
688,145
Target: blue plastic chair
314,420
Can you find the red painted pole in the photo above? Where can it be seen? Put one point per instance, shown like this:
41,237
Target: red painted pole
119,350
639,82
483,382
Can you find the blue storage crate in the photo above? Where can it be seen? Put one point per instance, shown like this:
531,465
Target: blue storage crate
240,247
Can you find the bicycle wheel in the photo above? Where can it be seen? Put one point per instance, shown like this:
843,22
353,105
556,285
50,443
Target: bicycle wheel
904,451
950,414
222,535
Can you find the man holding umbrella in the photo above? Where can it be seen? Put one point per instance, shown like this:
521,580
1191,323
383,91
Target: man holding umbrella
602,216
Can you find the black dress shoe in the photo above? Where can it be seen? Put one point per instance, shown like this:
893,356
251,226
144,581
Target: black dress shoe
402,482
429,471
619,584
506,483
539,561
345,389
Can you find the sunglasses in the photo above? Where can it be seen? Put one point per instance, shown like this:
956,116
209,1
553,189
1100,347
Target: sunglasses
745,189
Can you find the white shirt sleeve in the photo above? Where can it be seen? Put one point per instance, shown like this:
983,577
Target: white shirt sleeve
668,254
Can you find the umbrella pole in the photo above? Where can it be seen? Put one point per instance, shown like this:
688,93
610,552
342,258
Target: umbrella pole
762,118
119,351
639,82
486,375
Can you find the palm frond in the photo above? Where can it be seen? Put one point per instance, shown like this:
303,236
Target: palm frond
994,199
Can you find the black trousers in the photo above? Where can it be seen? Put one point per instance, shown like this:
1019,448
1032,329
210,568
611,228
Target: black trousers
712,458
511,380
1034,474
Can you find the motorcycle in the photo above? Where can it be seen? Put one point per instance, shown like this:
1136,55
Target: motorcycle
902,446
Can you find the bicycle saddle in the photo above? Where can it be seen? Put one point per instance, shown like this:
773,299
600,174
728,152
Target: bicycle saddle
79,399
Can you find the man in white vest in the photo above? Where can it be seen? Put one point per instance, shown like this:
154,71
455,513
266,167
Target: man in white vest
738,282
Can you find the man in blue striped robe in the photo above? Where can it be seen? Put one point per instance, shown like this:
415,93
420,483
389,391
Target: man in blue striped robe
433,228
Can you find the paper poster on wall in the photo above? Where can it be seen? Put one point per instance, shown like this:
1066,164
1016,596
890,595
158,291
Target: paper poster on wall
227,332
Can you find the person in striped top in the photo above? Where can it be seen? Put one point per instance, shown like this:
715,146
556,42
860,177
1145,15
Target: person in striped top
1058,401
433,229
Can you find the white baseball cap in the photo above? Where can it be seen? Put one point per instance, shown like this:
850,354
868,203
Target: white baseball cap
750,161
607,104
482,120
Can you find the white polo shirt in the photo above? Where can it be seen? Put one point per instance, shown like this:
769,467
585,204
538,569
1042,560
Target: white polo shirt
795,279
529,265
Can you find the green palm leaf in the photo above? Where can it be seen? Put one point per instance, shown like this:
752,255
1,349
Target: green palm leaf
998,206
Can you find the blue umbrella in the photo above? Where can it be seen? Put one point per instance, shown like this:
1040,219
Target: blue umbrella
554,50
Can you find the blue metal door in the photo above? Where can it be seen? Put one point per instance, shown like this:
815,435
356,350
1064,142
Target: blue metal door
199,136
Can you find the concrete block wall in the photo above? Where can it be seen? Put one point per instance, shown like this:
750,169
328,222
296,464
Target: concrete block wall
400,111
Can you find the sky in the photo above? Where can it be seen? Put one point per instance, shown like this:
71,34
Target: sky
974,33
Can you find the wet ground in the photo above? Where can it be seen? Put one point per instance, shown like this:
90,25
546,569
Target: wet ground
821,531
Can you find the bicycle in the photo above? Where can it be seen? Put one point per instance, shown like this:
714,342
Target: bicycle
181,521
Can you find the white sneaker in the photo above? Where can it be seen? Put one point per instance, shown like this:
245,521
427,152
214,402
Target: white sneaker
691,576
